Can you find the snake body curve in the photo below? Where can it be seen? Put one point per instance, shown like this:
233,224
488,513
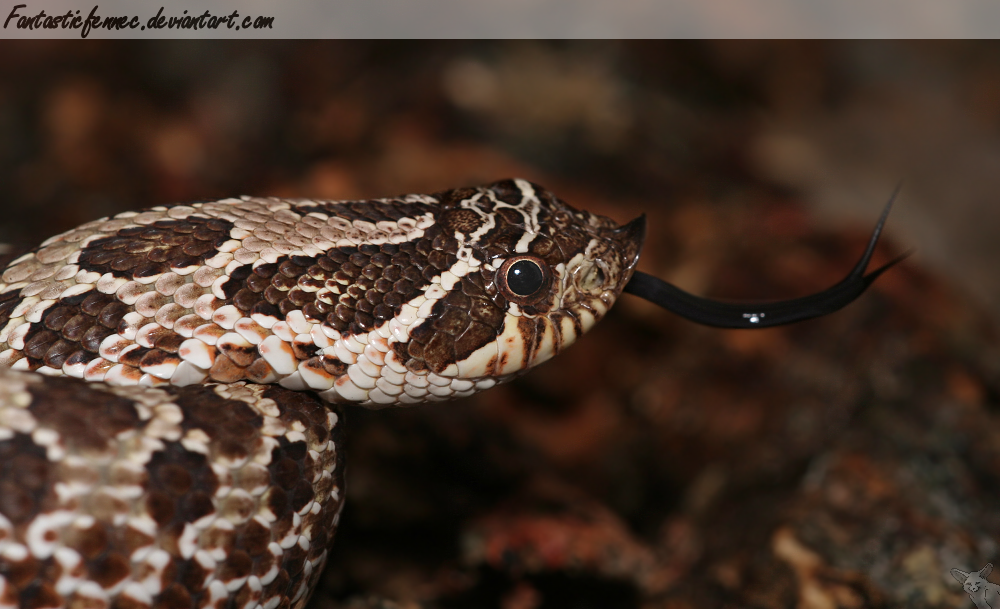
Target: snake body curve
170,380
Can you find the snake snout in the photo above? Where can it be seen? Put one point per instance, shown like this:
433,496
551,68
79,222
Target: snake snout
631,237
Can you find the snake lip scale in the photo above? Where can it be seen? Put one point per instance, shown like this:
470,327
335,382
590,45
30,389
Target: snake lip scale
171,380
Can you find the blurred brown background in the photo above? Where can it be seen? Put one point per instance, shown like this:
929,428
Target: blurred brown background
844,462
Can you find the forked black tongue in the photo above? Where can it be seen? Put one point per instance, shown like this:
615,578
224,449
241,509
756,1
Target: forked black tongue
764,315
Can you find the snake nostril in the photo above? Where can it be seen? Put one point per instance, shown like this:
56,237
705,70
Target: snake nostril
593,279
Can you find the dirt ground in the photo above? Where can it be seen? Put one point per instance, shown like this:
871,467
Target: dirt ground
849,461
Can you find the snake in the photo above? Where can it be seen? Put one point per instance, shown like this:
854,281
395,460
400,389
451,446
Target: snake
172,380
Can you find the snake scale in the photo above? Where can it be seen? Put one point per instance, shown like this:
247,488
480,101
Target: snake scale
171,379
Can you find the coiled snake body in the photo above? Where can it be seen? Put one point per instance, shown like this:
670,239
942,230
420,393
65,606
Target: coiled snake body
169,423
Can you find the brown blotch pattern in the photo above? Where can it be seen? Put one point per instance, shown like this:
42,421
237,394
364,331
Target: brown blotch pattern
26,480
193,457
350,289
461,322
233,425
463,221
72,330
179,488
148,251
87,422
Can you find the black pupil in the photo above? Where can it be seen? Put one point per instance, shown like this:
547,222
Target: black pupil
524,278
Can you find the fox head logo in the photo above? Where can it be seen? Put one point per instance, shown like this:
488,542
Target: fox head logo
984,594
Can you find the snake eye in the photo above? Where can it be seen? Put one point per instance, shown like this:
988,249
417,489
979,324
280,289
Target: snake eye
524,279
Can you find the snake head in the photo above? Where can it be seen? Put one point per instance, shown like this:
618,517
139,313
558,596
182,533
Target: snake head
545,273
